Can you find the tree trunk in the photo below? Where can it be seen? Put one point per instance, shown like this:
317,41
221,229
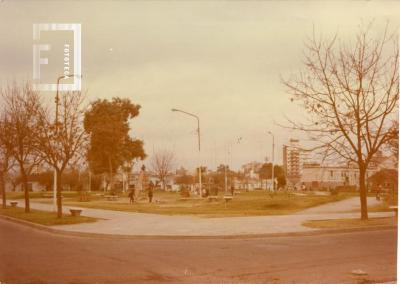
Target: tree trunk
3,190
58,194
26,190
105,182
111,174
363,194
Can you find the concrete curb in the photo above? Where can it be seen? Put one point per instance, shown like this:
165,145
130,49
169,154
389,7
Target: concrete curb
150,237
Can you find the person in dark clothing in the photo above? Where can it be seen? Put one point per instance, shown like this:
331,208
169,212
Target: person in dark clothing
232,189
378,193
132,195
150,192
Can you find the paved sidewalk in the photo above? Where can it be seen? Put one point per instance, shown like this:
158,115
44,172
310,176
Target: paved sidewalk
128,223
343,206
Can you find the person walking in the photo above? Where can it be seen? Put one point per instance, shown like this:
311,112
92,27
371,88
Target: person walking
132,194
378,193
150,192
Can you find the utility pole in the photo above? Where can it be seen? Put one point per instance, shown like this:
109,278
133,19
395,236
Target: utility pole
198,136
226,180
56,130
273,160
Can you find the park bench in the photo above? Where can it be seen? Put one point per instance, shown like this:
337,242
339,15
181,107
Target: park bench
227,198
190,198
75,212
13,203
212,198
395,209
111,197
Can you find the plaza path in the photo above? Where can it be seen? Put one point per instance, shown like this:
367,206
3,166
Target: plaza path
143,224
347,205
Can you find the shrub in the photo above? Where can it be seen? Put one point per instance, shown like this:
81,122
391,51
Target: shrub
334,191
184,192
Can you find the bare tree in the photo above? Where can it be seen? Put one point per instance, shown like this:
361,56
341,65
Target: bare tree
60,142
350,94
6,160
21,105
393,144
161,164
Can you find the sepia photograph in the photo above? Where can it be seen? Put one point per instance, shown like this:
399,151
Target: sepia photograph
199,141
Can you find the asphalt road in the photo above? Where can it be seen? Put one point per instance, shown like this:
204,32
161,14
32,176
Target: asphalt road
31,256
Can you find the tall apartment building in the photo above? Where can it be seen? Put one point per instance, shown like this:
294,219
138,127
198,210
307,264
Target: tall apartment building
292,161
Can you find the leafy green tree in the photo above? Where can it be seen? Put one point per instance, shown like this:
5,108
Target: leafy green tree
107,123
70,177
266,173
219,175
280,176
384,177
45,179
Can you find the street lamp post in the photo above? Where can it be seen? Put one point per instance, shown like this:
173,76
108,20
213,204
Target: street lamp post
226,180
198,136
273,160
56,128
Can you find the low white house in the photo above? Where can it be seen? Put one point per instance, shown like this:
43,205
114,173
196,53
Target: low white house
315,175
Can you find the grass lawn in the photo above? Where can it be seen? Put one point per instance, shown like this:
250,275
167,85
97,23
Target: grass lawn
43,217
350,223
254,203
384,206
41,194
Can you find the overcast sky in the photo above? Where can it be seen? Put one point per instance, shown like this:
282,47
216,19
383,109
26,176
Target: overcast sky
218,59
